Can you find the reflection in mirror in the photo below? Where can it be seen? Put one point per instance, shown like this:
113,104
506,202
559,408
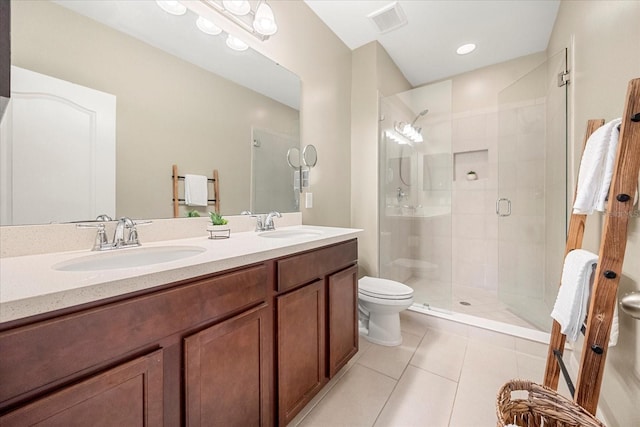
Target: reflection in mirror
274,182
310,156
293,157
168,109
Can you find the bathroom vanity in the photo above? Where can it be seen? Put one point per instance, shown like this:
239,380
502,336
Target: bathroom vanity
247,345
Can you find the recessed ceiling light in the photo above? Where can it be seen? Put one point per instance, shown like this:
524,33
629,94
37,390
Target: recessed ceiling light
466,48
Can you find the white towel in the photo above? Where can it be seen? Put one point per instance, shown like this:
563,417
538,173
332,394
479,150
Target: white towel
596,169
613,335
570,308
195,190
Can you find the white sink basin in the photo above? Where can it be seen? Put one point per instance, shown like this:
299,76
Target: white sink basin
290,234
127,258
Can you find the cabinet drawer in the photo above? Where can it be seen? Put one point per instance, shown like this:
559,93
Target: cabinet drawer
306,267
42,355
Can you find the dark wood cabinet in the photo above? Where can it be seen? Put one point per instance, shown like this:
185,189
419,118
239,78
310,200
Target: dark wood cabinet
130,394
301,348
227,372
316,322
342,318
54,362
246,347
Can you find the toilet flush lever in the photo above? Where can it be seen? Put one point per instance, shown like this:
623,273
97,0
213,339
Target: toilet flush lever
499,203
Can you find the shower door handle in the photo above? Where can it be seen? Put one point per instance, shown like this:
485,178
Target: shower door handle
500,203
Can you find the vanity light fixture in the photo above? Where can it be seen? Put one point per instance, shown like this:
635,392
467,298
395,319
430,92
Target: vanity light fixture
260,23
264,22
466,48
173,7
207,26
237,7
236,44
409,131
395,137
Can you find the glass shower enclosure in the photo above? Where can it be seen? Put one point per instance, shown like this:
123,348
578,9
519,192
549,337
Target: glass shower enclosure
532,197
415,194
489,243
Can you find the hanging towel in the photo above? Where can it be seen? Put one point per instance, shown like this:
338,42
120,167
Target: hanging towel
570,308
195,190
613,335
596,169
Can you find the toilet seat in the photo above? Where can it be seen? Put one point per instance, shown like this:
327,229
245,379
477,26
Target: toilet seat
383,289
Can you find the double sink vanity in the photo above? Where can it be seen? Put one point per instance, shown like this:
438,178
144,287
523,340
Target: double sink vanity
236,332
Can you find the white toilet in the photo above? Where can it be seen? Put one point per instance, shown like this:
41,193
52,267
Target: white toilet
380,302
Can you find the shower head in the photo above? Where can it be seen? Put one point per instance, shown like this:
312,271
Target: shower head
422,113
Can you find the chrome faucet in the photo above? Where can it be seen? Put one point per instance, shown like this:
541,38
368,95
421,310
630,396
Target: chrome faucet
265,222
400,194
268,222
104,217
119,240
118,236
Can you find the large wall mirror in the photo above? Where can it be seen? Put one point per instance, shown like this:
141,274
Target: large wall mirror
182,97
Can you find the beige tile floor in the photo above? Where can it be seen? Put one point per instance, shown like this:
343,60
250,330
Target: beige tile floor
443,374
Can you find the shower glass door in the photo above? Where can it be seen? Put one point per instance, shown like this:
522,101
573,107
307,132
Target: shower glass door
532,199
415,194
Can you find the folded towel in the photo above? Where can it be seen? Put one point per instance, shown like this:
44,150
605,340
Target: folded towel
613,335
195,190
596,169
570,308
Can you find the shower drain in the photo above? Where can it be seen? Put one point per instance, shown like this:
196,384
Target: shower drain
465,303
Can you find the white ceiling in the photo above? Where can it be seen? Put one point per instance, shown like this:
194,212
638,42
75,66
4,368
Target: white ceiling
424,49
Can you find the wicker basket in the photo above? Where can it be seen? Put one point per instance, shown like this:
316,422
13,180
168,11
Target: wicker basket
543,407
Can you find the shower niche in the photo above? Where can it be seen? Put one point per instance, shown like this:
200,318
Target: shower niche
470,161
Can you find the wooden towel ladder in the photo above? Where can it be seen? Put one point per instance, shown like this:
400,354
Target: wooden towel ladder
611,256
176,201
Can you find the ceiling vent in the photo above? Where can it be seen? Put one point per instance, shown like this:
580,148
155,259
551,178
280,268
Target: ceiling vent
388,18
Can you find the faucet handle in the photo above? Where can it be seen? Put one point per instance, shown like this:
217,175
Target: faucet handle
260,220
101,237
132,237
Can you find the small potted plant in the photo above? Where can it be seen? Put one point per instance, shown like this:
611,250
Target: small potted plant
218,229
471,176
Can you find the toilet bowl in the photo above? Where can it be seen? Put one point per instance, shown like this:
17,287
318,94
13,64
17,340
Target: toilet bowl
380,302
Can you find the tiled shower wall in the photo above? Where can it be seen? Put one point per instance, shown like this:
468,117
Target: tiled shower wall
477,242
475,225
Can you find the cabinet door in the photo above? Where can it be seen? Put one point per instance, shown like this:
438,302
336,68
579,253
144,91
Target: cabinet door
301,348
127,395
343,318
227,370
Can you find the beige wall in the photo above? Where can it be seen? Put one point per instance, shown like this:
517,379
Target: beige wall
168,111
373,74
603,58
307,47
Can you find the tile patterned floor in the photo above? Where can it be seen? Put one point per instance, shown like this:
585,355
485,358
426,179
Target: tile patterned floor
443,374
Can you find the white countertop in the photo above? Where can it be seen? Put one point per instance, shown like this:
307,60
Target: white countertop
30,285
